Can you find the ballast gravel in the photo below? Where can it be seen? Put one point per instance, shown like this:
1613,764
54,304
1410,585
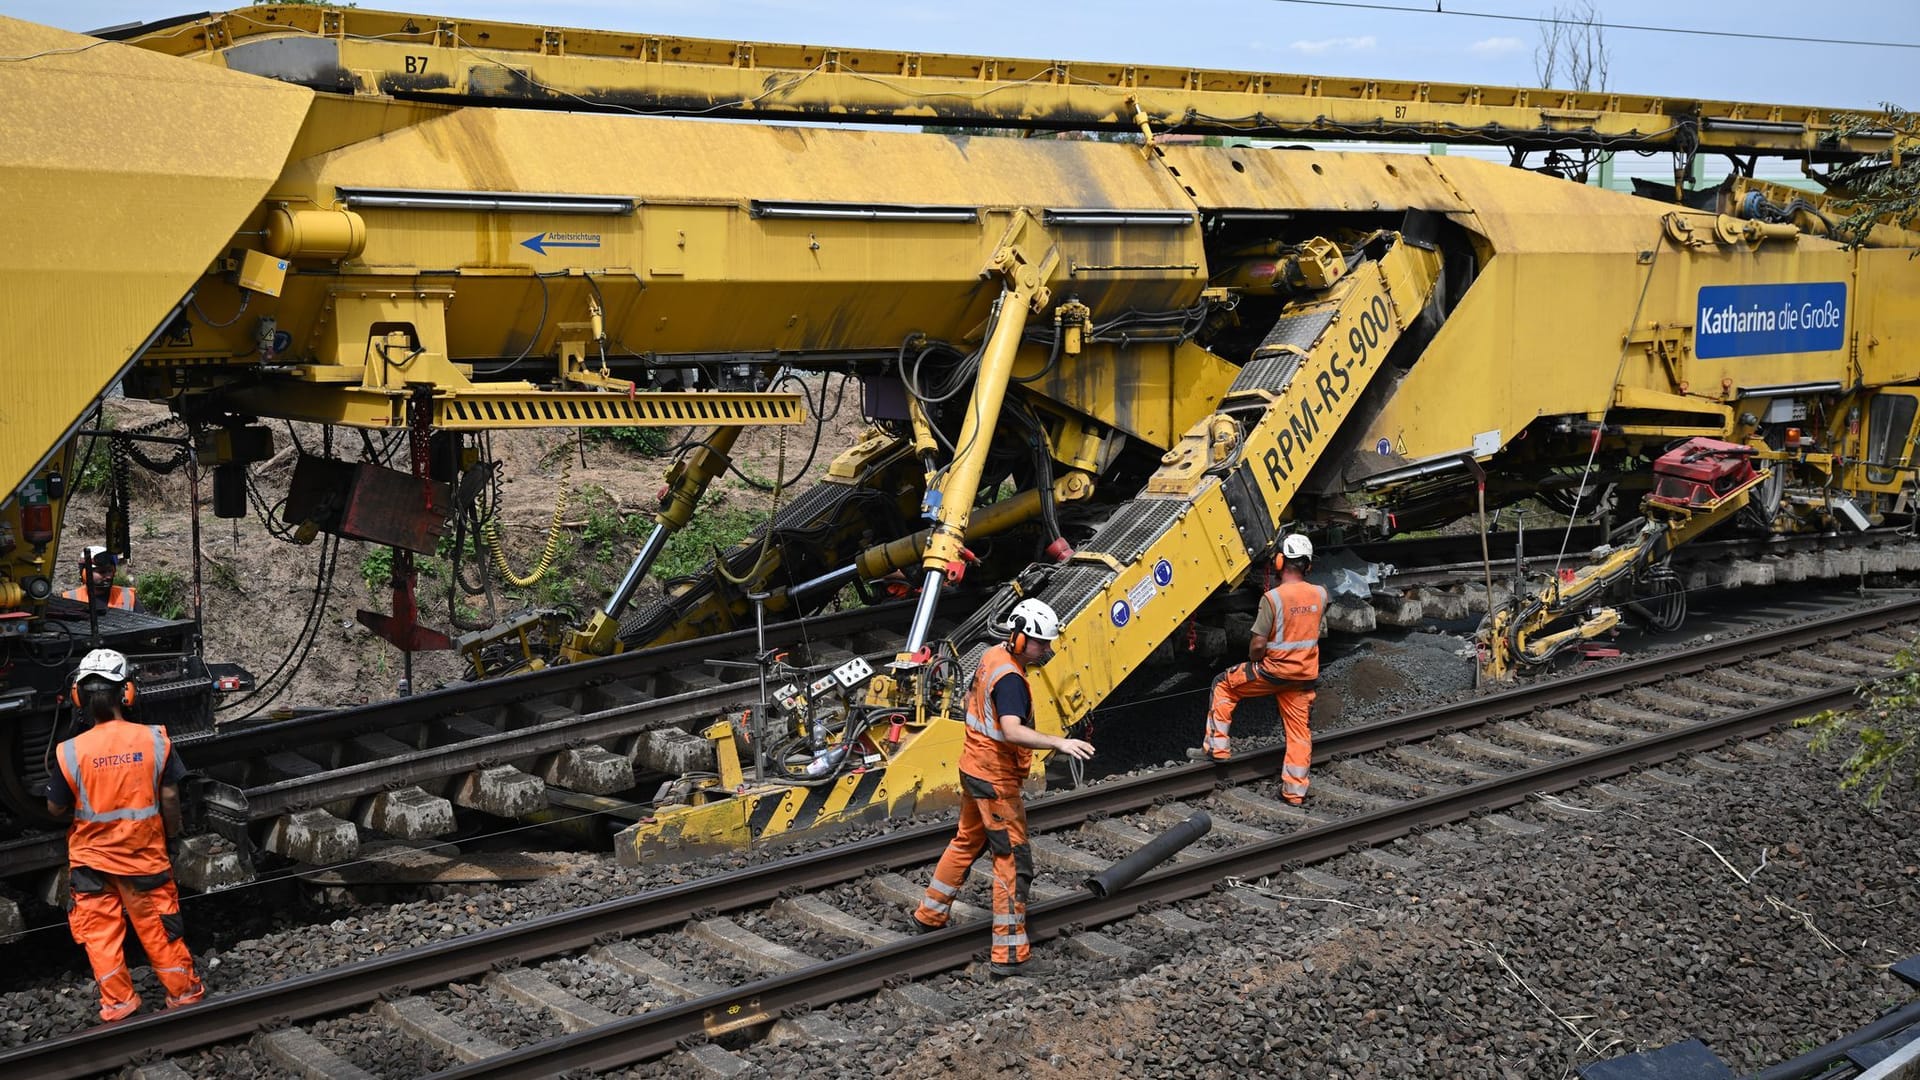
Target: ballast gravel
1756,908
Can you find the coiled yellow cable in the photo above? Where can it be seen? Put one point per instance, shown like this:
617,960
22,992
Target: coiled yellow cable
490,537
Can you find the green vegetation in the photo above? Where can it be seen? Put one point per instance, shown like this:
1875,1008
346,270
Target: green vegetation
162,592
1882,186
644,441
377,569
607,529
1886,728
690,549
95,467
222,575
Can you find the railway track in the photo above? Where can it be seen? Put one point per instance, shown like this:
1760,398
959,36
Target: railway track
306,787
707,958
309,788
1442,578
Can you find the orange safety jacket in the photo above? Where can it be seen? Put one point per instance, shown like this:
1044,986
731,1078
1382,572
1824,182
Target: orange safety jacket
1293,646
115,772
987,754
117,597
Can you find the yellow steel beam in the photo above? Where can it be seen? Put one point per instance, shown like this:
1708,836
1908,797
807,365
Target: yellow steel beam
483,409
417,56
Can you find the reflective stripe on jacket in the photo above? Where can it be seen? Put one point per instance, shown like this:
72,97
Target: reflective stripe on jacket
115,772
987,754
1293,650
119,596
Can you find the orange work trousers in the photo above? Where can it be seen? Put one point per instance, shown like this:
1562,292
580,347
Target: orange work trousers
1243,681
993,816
102,906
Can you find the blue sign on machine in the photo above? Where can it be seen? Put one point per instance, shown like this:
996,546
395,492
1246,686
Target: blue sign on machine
1761,320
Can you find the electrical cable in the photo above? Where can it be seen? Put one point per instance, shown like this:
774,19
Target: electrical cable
1548,20
246,297
539,327
1586,471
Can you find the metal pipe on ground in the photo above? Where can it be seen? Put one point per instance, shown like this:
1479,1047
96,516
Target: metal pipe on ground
1159,850
1814,1062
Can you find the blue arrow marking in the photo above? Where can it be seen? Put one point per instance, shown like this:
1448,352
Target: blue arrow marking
539,244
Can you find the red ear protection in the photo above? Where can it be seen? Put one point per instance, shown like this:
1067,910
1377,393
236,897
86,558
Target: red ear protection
1018,641
127,694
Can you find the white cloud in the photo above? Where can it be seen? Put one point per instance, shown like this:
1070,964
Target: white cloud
1338,44
1497,46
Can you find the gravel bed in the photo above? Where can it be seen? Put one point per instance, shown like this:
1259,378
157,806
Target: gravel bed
601,985
1618,920
241,1061
493,1015
372,1044
1613,916
802,939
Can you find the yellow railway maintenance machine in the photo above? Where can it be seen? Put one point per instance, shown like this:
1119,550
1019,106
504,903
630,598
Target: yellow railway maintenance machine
1108,374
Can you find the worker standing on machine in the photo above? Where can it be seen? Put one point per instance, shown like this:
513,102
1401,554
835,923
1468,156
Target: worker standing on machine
120,781
1283,661
994,760
97,569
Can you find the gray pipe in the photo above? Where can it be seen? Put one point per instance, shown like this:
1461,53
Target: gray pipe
923,613
1813,1061
1159,850
642,562
835,578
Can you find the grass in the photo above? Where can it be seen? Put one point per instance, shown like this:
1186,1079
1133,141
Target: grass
162,592
644,441
377,569
95,467
692,547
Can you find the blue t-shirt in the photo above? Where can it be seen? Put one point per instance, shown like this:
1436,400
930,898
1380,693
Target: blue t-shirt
1012,698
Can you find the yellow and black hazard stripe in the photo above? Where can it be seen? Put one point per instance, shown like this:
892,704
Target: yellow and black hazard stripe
856,796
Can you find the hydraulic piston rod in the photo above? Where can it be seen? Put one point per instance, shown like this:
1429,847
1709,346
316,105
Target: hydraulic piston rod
686,482
962,482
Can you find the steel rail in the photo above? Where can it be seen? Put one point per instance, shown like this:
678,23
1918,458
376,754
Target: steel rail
237,1014
48,849
1427,553
518,689
652,1034
352,781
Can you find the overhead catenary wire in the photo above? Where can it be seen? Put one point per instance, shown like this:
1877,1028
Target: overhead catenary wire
1549,20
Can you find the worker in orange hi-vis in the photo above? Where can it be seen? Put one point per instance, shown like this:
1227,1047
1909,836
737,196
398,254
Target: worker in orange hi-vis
994,761
98,569
1283,661
120,781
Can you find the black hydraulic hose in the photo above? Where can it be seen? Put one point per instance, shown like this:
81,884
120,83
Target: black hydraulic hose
1158,850
1813,1062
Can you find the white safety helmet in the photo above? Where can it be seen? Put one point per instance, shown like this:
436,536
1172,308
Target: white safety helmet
1035,619
94,556
102,664
1296,546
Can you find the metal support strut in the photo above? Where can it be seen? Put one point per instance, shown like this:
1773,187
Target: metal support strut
1026,291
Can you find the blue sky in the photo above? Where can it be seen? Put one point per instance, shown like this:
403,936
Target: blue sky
1262,35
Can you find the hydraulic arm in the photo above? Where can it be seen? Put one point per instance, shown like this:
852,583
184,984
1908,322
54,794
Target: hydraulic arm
1702,484
1214,508
951,501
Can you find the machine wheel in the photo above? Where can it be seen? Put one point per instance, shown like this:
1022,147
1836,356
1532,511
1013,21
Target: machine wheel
1595,498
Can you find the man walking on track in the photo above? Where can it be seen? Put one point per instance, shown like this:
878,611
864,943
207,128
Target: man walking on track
1283,661
120,780
993,762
